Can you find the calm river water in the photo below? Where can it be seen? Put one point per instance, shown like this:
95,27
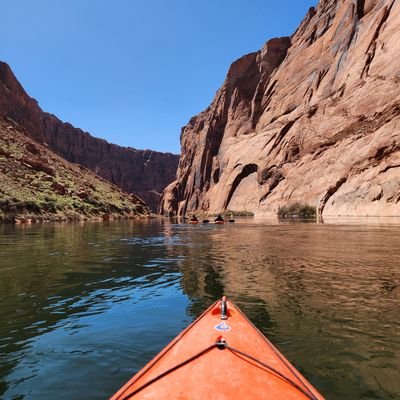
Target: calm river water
83,307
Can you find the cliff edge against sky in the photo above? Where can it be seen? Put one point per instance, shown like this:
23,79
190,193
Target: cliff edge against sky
313,118
142,172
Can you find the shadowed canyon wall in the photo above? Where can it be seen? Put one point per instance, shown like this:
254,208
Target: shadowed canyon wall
312,118
143,172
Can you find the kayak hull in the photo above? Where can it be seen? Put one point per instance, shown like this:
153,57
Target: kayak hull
193,367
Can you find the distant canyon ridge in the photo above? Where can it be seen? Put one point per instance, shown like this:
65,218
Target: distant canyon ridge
143,172
311,118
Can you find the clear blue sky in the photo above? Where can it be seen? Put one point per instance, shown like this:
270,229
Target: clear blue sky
135,71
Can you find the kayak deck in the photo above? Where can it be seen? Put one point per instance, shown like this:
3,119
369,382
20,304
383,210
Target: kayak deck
219,356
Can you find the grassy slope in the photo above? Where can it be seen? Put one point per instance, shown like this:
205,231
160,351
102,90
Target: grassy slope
37,184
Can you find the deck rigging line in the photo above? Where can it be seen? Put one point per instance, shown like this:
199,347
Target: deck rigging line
222,345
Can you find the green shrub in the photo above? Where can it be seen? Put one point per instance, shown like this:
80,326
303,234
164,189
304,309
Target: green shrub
4,204
238,213
31,206
50,206
8,205
228,213
92,201
297,210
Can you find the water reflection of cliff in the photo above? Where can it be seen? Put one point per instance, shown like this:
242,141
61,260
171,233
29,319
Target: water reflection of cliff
325,294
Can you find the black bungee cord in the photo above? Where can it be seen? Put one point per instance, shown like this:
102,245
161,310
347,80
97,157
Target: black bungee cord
221,345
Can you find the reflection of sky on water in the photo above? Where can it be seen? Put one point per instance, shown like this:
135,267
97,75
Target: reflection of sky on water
112,333
92,303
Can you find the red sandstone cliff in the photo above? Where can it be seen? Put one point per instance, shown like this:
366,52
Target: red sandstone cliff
143,172
312,118
37,185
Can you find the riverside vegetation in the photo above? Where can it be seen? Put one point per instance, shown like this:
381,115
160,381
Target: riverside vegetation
297,210
38,185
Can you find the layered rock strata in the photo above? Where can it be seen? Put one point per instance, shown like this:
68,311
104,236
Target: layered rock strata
313,118
143,172
38,185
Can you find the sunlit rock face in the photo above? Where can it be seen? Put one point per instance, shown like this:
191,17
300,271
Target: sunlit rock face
312,118
143,172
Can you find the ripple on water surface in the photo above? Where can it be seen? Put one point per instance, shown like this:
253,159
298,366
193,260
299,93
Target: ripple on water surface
94,302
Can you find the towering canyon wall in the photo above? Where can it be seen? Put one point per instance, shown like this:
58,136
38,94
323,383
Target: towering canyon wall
143,172
312,118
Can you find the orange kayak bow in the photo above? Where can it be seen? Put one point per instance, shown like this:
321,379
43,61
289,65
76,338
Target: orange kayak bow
220,356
